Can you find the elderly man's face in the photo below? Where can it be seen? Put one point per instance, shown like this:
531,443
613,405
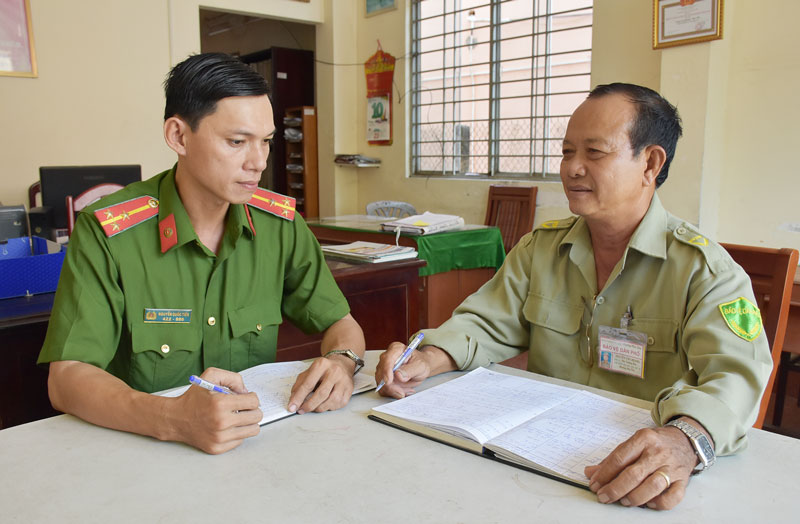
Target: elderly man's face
602,179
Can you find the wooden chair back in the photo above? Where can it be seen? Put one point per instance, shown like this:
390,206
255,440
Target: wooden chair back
772,273
511,209
90,196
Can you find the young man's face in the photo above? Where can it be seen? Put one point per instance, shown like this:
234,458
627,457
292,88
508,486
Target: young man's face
225,155
602,178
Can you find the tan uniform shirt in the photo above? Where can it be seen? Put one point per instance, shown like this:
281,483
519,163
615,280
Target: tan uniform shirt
545,299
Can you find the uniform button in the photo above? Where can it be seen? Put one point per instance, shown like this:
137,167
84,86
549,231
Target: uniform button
681,231
650,341
600,300
258,327
212,321
165,348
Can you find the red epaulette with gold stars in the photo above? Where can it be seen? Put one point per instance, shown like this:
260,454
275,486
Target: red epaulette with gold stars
119,217
279,205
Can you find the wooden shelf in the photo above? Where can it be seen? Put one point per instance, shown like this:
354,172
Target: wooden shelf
302,164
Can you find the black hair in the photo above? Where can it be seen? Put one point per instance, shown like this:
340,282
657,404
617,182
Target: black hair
194,86
656,121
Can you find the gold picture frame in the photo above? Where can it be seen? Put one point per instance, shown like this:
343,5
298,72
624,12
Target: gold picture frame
681,22
17,53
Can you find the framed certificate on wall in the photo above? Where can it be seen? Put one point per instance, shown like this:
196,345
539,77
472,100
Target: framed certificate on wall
680,22
17,55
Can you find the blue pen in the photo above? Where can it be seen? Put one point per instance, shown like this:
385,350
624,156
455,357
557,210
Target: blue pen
197,381
404,357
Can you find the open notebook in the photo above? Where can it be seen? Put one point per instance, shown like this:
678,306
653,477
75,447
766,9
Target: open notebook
543,427
273,385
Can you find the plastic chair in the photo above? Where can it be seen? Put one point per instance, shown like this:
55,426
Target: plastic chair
511,209
90,196
772,273
391,209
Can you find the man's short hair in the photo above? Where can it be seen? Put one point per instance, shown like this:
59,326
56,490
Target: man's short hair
656,122
194,86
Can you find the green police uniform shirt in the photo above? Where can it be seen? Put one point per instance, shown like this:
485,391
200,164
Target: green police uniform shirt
673,279
153,319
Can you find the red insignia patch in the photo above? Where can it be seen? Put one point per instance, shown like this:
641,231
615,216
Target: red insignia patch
119,217
167,233
279,205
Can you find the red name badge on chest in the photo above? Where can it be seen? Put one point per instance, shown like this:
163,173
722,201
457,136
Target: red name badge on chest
622,351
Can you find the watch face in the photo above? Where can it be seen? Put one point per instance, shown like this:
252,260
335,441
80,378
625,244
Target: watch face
705,448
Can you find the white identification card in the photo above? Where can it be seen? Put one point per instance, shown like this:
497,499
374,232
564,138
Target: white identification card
622,351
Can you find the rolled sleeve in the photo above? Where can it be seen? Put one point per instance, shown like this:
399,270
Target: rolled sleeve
727,374
489,325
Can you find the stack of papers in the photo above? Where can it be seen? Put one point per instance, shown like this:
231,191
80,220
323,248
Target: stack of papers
424,224
370,252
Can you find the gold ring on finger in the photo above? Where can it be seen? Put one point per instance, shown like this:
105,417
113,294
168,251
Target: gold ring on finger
666,477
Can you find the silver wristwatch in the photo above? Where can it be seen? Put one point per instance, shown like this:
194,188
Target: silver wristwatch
349,354
702,447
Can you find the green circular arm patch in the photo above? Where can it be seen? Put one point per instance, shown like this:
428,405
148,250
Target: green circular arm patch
743,318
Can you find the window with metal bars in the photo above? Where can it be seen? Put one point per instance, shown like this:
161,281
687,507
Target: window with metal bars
493,84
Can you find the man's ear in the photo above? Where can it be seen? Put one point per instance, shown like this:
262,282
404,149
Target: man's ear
175,134
654,157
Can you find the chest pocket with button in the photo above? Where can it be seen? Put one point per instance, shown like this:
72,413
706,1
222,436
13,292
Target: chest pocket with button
254,332
164,355
661,359
553,315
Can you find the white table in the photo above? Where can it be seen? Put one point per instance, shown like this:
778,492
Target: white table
342,467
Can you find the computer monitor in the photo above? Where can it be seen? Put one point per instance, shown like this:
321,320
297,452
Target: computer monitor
58,182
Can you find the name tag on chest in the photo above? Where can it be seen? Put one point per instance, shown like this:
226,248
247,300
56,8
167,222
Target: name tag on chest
622,351
167,316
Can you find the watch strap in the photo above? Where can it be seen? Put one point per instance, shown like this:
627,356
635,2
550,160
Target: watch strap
700,443
349,353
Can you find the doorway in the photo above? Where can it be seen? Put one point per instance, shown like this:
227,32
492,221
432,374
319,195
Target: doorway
282,52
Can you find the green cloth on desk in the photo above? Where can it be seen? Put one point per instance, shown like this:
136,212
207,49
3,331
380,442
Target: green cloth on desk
465,249
468,248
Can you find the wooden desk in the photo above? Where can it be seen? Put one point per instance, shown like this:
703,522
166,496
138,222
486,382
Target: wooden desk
383,298
441,292
342,467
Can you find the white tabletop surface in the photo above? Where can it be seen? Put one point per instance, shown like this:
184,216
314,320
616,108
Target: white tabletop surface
342,467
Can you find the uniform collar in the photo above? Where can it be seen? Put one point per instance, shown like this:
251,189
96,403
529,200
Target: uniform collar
650,236
174,226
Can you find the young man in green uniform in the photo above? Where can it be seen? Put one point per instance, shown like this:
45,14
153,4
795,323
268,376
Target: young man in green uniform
191,271
624,297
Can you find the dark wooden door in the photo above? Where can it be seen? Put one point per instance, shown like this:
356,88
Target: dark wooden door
292,84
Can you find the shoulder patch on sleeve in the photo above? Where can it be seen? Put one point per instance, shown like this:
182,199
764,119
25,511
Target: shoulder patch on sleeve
742,317
563,223
117,218
279,205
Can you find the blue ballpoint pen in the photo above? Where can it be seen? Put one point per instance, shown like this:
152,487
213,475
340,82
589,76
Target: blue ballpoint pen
404,357
197,381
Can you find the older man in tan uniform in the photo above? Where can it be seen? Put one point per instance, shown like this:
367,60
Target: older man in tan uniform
624,297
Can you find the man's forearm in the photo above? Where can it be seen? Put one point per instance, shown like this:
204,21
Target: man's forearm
98,397
344,334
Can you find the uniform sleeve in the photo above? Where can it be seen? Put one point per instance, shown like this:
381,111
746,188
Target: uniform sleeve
727,374
86,320
489,326
311,298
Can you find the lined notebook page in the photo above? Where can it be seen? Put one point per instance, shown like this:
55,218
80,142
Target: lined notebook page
482,403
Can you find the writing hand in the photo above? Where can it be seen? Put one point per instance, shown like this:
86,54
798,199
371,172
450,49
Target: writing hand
215,422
